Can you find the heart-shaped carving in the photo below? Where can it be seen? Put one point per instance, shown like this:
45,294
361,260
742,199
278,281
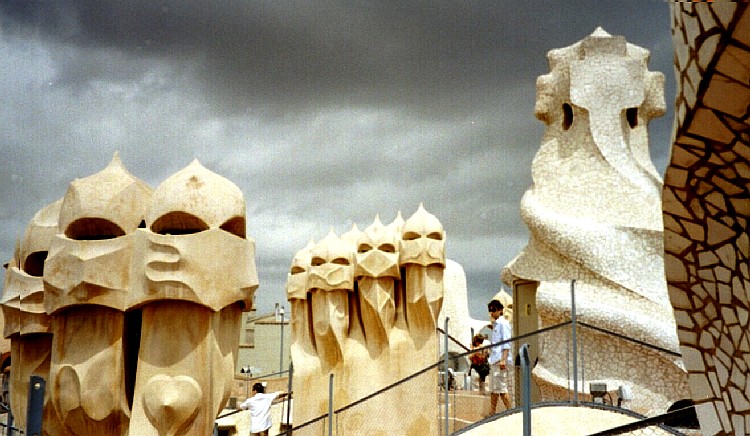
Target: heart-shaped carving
171,403
68,389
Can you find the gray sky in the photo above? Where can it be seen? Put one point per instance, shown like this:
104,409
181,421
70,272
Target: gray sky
323,113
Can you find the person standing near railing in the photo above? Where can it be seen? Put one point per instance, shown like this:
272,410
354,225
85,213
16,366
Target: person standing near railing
499,359
259,405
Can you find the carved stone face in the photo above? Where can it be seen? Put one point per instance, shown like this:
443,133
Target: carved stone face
377,252
23,294
296,281
192,258
89,261
179,267
597,102
596,85
331,265
422,240
91,271
330,280
178,251
296,291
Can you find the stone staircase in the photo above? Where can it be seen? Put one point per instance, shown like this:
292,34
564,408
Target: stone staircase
465,407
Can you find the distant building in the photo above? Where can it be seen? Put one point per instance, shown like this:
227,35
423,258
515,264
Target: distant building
261,342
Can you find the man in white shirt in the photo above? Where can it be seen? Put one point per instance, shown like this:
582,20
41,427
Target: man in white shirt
500,359
259,405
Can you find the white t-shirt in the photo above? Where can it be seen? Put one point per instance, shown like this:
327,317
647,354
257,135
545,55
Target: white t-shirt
260,411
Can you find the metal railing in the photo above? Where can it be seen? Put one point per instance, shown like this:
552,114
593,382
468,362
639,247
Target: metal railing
656,425
34,412
455,400
458,398
286,401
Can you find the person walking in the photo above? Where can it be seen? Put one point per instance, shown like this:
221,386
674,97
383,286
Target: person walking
500,358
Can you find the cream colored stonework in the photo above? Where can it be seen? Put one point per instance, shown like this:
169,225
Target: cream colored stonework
197,270
364,309
86,280
594,215
562,421
706,209
133,318
26,322
456,308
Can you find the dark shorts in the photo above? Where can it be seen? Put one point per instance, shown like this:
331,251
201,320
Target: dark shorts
482,370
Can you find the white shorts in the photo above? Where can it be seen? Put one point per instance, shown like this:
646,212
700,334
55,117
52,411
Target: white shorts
500,379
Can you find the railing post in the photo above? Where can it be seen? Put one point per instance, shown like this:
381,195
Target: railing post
281,341
526,388
574,339
445,375
289,395
35,406
330,404
10,424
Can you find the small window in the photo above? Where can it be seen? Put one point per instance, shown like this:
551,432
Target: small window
178,223
410,236
235,226
567,116
34,263
388,248
632,115
340,261
92,229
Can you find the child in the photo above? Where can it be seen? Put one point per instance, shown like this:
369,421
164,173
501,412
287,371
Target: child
479,361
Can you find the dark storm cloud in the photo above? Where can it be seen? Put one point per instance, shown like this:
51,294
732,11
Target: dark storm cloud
323,113
434,57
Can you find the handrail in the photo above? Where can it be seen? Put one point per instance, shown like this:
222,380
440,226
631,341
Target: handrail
389,387
648,422
526,391
276,401
455,341
514,339
626,338
439,363
583,404
471,351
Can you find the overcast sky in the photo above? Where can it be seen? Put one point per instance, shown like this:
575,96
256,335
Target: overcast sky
323,113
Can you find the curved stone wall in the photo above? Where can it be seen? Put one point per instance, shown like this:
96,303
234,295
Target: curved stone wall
594,216
706,205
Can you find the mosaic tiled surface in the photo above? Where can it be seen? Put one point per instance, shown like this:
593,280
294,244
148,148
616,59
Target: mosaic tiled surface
594,215
706,206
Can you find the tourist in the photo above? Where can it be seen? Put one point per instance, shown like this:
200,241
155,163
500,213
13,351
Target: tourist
259,404
499,359
479,361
